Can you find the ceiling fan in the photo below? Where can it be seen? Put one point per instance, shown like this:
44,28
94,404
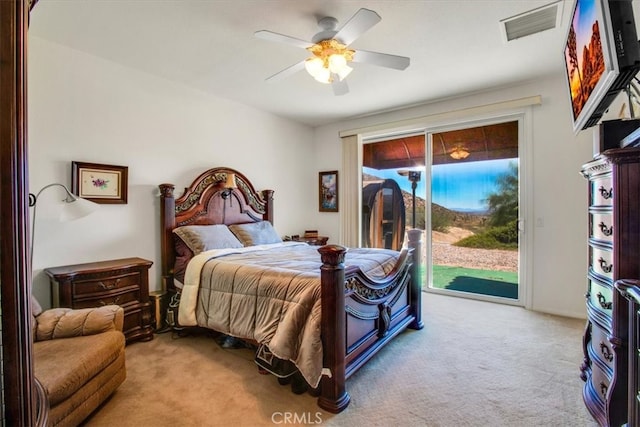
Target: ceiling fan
330,53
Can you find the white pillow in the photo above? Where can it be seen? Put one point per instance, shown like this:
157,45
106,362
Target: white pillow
200,238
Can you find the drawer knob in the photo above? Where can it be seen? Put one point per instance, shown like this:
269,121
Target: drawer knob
606,351
603,389
603,302
115,301
606,194
109,286
607,231
604,266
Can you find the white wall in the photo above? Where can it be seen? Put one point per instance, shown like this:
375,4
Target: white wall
559,253
87,109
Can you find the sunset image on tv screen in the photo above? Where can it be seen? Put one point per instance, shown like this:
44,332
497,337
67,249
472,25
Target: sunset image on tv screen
583,54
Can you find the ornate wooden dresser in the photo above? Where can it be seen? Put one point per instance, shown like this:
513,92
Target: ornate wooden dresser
614,253
630,289
124,282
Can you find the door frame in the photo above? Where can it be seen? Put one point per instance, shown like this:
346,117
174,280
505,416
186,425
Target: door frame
520,111
19,401
525,206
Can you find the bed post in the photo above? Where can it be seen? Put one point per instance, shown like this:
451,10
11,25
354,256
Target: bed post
267,195
333,395
167,222
415,243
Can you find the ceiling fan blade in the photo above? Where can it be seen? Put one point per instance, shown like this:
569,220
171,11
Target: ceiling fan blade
281,38
286,72
382,59
339,87
360,22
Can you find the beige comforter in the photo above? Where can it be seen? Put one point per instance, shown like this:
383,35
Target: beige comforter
269,293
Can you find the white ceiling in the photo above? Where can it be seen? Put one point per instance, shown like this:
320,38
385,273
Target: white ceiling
455,46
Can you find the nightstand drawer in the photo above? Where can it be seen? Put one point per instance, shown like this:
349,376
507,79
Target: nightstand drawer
105,285
117,298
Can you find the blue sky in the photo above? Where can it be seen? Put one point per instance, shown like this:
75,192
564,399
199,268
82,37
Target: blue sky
456,186
583,22
583,19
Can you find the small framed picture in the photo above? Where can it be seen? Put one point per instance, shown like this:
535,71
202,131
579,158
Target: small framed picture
328,191
106,184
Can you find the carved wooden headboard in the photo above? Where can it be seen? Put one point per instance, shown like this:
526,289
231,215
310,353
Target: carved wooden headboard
206,202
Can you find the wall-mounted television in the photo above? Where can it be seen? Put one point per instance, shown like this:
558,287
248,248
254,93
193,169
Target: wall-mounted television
601,54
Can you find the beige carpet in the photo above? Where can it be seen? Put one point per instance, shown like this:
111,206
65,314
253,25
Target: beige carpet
474,364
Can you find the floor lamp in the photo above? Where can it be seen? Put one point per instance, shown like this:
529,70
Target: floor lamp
74,208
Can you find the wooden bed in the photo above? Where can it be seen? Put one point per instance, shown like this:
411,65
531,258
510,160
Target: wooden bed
359,315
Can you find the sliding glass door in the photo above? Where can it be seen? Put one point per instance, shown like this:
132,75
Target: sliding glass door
474,198
462,185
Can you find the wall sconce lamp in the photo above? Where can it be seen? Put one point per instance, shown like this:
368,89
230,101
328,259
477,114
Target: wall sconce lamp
229,185
74,208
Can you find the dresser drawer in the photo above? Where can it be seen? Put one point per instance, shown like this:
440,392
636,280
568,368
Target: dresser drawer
601,348
601,299
116,298
601,192
601,261
600,382
601,226
105,285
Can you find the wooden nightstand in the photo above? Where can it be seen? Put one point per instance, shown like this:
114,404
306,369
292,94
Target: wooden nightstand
124,282
316,241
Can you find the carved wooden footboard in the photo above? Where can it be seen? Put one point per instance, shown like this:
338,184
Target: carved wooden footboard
359,315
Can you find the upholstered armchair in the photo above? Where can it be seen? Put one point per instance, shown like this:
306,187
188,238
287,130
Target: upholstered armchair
79,359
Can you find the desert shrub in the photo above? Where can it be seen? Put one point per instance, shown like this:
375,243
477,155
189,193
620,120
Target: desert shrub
507,234
503,237
503,204
440,220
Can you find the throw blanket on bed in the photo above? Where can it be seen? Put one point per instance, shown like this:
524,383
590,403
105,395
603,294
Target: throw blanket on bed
271,294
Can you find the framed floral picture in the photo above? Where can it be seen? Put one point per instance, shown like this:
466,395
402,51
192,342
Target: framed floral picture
328,191
106,184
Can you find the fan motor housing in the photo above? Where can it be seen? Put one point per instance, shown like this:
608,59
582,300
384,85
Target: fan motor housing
328,25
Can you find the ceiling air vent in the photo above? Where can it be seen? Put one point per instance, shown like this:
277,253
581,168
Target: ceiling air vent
534,21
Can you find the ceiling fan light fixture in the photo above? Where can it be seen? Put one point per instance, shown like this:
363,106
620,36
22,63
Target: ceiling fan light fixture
313,65
337,62
335,41
323,75
329,57
459,153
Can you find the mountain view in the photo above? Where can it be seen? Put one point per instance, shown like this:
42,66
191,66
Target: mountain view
470,220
